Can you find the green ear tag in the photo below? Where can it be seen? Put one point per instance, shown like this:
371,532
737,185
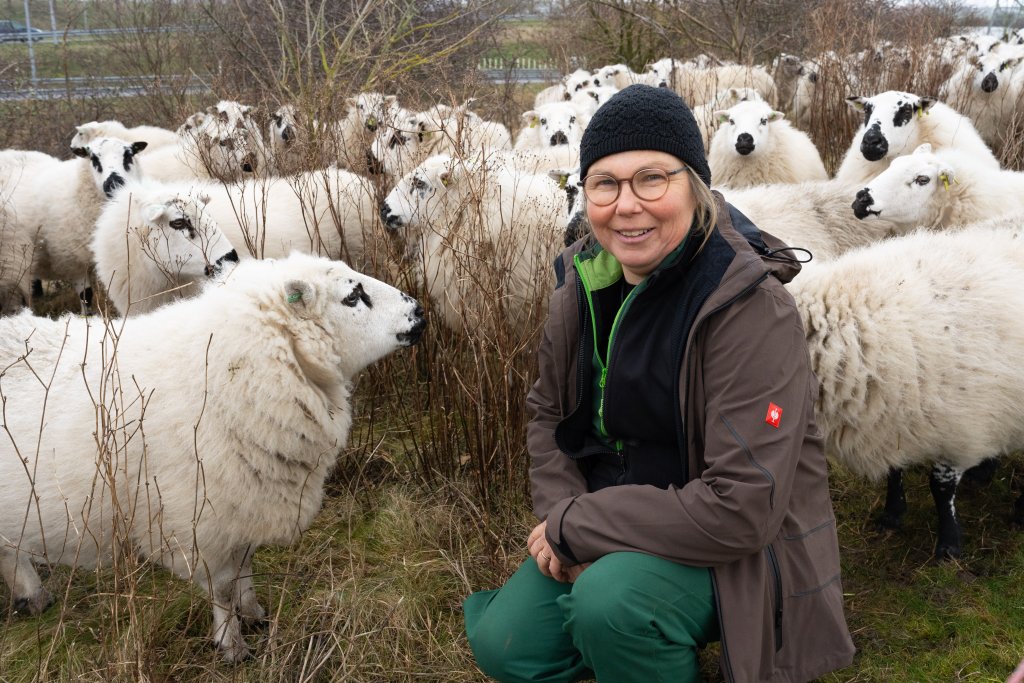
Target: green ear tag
294,296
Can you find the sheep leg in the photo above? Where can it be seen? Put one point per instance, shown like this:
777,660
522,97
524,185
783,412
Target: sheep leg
943,482
227,628
249,608
27,592
895,501
982,473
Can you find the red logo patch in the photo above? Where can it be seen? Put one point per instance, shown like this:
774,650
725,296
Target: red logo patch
774,415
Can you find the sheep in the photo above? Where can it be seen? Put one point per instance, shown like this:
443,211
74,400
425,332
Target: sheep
368,113
480,236
554,127
243,394
588,100
704,114
814,215
330,212
618,76
895,123
939,190
576,222
912,341
987,89
224,143
154,136
698,85
756,146
441,129
54,209
154,243
795,82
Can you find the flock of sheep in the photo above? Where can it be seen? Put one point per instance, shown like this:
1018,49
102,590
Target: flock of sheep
210,242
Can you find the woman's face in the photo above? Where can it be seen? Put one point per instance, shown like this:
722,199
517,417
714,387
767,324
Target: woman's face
639,233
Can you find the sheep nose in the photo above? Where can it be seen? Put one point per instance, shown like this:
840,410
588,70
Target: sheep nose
744,143
862,202
390,220
249,163
287,134
373,164
559,138
873,145
112,182
990,82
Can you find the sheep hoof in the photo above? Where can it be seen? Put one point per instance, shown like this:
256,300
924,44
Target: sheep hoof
889,521
234,652
35,604
256,617
947,552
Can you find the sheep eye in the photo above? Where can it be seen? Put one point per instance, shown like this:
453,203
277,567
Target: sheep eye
181,224
543,122
764,122
357,295
419,184
572,119
922,180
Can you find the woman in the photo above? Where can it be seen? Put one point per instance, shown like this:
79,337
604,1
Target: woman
676,466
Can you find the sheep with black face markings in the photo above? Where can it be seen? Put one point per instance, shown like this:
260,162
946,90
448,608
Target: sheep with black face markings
895,124
914,342
154,243
755,145
939,190
52,207
479,235
232,409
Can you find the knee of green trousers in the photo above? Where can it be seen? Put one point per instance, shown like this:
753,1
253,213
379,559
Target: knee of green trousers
516,632
638,617
537,629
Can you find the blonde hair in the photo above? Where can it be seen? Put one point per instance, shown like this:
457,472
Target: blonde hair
705,213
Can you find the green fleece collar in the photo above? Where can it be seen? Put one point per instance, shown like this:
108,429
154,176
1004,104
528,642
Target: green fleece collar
599,269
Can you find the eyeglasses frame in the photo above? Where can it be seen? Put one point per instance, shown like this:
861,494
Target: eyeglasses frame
618,187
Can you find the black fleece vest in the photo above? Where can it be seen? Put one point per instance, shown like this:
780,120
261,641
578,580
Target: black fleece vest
643,406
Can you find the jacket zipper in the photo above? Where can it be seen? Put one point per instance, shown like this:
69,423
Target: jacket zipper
773,563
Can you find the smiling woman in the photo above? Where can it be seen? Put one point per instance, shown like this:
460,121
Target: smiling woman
670,427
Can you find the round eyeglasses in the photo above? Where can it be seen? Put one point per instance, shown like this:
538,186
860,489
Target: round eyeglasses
648,184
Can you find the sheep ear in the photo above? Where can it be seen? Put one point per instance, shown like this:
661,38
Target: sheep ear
926,103
390,99
924,148
203,199
80,152
947,176
856,102
559,176
776,116
530,118
298,293
152,213
139,146
446,178
722,115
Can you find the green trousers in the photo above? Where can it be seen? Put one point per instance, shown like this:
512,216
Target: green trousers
628,617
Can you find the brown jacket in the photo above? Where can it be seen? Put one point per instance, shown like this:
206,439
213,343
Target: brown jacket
756,509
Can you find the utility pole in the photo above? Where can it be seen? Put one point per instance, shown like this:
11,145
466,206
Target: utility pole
28,40
53,22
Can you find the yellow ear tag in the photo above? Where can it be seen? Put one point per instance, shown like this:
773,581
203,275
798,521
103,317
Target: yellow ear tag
372,121
945,181
533,123
445,180
427,134
561,181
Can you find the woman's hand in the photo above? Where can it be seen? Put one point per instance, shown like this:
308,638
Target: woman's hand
540,550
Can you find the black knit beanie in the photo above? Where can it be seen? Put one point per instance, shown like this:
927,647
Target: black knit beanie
645,117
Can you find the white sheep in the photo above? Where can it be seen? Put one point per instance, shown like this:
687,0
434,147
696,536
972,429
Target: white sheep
155,243
895,124
913,341
987,88
224,143
223,416
617,76
554,127
588,100
438,130
708,122
54,208
698,84
814,215
481,237
154,136
329,212
755,145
